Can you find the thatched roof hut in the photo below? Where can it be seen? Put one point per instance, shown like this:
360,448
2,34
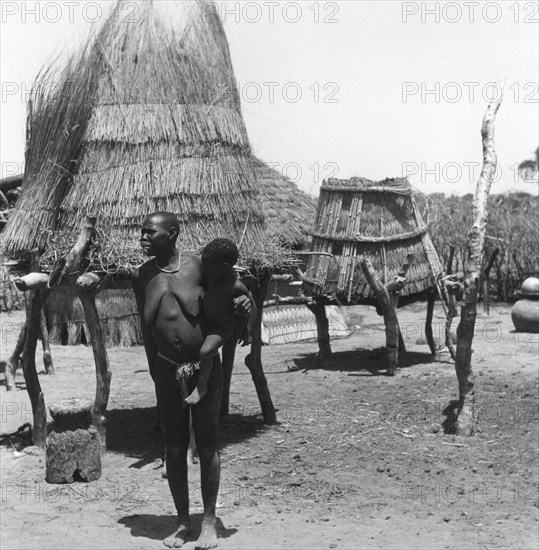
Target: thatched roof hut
379,220
146,118
289,211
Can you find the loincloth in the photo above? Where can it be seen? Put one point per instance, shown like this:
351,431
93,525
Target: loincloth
184,373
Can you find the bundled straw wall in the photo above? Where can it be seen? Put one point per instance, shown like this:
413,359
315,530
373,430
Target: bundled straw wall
150,118
117,312
379,220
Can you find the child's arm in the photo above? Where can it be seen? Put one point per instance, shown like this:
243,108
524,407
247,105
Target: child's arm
241,290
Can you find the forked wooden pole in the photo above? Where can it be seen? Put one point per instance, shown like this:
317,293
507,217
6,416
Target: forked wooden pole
47,356
254,359
476,238
388,298
428,323
39,412
14,360
229,354
322,330
102,368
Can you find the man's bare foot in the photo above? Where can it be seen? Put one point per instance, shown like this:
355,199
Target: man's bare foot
179,537
208,536
198,393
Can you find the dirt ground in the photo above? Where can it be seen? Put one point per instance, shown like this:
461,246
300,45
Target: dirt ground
357,459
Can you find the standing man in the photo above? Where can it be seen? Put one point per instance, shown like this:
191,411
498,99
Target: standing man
169,289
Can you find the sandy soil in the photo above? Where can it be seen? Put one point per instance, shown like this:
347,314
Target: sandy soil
357,460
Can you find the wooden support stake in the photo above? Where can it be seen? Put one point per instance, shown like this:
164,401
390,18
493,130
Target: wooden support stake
388,298
254,359
102,368
428,324
33,316
228,354
14,361
476,238
47,357
322,329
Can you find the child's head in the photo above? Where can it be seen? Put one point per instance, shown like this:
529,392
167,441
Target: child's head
219,257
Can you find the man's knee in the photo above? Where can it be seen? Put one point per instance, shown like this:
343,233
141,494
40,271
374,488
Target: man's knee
207,450
177,452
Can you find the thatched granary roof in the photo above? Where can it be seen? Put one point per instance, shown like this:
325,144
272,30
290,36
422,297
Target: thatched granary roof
146,118
379,220
289,211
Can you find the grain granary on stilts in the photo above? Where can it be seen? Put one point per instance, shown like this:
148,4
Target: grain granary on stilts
371,246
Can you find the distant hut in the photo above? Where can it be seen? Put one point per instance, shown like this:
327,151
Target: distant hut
289,211
377,220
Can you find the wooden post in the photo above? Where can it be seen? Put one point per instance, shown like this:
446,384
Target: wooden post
47,357
322,330
402,344
102,368
229,354
33,316
428,323
486,280
14,361
388,298
254,359
463,363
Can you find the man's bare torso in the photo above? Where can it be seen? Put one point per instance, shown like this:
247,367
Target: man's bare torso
171,303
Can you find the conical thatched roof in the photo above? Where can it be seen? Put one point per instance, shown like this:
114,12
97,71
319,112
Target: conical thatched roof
379,220
289,211
146,118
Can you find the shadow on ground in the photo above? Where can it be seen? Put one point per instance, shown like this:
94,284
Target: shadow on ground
136,433
361,362
155,527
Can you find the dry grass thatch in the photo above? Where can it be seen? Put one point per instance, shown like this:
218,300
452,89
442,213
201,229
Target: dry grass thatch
117,312
379,220
147,117
289,211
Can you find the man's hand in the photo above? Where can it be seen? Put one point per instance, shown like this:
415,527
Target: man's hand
242,306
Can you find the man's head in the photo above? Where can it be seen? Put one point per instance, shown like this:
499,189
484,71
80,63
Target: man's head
159,233
219,257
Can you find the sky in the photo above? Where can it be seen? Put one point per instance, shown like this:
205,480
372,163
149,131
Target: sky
338,89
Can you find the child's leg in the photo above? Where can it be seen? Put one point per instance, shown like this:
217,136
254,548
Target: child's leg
209,348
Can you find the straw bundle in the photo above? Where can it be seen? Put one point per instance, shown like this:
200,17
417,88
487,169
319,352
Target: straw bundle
379,220
160,128
289,211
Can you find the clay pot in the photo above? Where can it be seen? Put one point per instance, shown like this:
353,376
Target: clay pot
530,287
525,315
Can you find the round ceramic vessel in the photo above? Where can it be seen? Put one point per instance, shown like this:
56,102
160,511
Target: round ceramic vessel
525,315
530,287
